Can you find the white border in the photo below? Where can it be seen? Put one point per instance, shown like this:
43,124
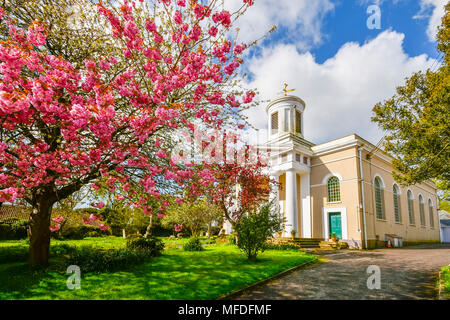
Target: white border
328,176
383,185
407,198
325,227
398,188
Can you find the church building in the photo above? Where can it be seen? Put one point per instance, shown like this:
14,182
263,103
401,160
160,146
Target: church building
343,187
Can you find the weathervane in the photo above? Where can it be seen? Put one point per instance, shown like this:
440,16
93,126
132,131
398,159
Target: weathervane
285,90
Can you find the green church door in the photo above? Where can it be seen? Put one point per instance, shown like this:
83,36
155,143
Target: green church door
335,224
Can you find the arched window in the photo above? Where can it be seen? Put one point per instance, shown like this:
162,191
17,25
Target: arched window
411,208
421,211
430,210
379,201
396,193
334,192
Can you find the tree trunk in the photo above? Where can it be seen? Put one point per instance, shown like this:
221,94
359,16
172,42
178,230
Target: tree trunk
39,231
149,227
209,230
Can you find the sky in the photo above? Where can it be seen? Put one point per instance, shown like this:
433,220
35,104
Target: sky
325,50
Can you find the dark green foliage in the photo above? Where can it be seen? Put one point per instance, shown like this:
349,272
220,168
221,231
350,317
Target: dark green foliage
13,254
100,260
20,253
83,231
159,231
152,246
14,229
254,229
193,244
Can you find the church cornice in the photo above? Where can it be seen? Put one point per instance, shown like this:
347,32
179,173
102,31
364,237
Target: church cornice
285,99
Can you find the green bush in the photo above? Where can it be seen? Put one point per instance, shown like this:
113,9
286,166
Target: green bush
83,231
255,228
14,229
193,244
152,246
100,260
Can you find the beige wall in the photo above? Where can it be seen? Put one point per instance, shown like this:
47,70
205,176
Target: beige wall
345,164
377,166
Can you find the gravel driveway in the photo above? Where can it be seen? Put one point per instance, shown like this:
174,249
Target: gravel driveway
406,273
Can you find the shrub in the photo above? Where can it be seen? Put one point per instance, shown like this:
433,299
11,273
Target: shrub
14,229
254,229
152,246
100,260
193,244
83,231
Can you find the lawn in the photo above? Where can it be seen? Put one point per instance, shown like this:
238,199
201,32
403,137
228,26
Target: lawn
446,278
177,274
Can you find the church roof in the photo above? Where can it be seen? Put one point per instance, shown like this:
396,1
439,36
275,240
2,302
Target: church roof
283,98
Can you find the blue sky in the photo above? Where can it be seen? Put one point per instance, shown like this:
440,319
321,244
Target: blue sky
344,25
340,67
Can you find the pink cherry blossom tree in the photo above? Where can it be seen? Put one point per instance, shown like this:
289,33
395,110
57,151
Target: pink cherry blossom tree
109,122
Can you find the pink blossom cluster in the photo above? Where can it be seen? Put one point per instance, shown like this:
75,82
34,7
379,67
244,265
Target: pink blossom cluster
223,17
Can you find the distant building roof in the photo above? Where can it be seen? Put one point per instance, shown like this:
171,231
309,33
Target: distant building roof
443,214
445,223
11,212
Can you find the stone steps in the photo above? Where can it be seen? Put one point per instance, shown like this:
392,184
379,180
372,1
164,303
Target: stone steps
313,243
330,245
306,242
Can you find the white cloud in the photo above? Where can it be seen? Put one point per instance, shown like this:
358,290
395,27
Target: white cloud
341,92
301,18
437,8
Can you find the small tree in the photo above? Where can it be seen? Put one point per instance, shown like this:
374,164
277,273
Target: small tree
256,227
194,215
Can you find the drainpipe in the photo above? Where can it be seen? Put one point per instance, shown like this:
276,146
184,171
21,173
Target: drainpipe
362,195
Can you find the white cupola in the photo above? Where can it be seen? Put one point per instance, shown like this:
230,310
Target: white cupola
285,116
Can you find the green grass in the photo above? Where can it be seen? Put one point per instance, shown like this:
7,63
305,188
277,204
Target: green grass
446,278
177,274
